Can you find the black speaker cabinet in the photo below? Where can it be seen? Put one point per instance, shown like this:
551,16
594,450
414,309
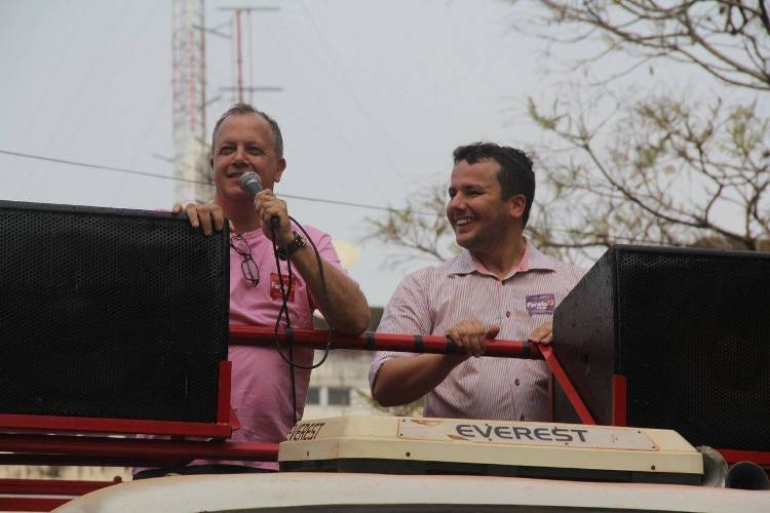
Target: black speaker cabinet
110,313
672,338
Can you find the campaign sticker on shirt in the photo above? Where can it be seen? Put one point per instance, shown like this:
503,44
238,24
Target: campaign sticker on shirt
541,304
275,286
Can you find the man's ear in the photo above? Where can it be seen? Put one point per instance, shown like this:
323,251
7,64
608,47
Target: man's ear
518,204
279,170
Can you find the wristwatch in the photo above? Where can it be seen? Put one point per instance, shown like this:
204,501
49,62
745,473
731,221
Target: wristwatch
297,243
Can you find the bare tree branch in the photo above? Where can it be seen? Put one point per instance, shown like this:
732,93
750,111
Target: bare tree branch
638,165
736,52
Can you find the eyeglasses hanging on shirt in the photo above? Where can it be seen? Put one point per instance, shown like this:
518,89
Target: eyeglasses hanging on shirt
249,267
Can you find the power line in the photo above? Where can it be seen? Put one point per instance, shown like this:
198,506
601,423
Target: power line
179,179
94,166
291,196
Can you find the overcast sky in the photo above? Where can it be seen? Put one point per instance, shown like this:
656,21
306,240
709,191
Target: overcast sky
375,96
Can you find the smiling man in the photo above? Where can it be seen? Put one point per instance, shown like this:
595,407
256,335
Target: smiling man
268,394
499,286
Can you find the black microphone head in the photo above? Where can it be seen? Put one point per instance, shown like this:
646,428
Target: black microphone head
251,183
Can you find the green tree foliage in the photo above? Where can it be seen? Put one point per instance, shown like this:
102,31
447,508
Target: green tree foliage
673,172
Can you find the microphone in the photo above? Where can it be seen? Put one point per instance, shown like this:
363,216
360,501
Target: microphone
251,184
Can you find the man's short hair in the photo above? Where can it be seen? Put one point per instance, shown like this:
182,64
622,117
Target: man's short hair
515,175
245,108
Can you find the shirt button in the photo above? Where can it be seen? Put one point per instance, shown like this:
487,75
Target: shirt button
508,313
517,382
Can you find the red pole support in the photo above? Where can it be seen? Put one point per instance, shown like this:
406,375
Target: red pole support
566,384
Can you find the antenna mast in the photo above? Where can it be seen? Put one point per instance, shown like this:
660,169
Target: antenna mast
189,103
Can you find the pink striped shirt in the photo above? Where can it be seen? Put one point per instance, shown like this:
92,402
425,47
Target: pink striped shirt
433,299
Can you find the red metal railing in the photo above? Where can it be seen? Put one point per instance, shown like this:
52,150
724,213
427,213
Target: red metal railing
22,441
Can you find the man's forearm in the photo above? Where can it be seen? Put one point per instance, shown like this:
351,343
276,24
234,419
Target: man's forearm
347,310
402,380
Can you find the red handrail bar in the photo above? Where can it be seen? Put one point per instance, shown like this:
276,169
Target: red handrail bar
371,341
109,447
52,486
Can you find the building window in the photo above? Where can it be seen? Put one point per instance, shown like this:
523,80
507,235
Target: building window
339,396
313,395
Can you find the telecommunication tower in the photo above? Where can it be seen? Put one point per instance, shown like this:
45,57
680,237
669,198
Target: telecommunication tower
189,101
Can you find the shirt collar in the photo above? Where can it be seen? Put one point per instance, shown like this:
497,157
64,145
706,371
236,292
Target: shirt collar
532,259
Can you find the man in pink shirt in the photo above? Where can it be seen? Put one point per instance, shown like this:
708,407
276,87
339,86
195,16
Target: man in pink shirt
268,394
499,286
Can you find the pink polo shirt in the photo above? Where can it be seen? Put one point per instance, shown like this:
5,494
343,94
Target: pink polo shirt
433,299
261,383
261,379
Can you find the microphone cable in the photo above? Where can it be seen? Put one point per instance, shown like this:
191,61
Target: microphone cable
251,183
285,289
